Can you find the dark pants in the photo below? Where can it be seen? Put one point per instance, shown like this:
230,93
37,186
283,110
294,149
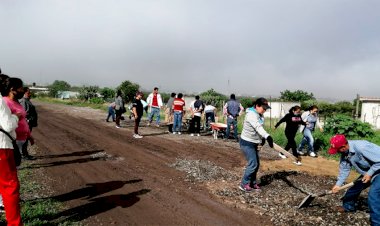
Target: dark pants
118,117
210,117
137,123
233,122
195,120
291,143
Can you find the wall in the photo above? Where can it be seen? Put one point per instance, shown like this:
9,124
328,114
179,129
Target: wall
279,109
370,113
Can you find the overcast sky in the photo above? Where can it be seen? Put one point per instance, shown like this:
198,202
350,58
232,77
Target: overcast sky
328,47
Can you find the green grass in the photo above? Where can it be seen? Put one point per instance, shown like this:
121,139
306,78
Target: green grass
37,211
73,102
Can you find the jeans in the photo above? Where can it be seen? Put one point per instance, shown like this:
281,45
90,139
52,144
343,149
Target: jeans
154,111
307,139
250,152
231,121
177,121
374,201
352,195
111,113
210,117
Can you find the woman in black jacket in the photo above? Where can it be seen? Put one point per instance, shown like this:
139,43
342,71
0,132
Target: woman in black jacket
293,120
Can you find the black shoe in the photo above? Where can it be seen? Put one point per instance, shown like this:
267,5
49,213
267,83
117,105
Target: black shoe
28,157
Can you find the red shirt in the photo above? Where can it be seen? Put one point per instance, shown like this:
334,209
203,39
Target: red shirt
178,104
155,101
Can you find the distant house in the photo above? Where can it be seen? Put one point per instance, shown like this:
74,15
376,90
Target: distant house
370,111
37,90
279,109
67,94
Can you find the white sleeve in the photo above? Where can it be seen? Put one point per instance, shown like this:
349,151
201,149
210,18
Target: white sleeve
8,121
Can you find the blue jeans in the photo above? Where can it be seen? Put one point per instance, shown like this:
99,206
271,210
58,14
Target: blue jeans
177,121
154,111
111,113
231,121
250,152
352,195
307,139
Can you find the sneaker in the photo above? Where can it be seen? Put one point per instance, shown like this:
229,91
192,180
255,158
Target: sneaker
245,187
118,127
157,126
192,134
282,155
175,132
256,187
198,135
28,157
298,163
148,124
137,136
179,133
312,154
300,153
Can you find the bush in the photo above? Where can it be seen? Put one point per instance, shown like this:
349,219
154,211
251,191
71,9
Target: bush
342,124
96,100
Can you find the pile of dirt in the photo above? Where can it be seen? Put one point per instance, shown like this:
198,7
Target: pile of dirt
280,196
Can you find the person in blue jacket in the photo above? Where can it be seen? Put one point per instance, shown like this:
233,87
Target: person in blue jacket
364,157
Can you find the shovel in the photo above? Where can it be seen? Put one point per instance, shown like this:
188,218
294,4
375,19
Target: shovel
306,201
283,151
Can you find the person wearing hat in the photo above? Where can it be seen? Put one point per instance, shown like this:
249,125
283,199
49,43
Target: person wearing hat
364,156
253,134
138,111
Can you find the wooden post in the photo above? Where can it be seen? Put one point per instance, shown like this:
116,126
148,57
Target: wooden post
357,106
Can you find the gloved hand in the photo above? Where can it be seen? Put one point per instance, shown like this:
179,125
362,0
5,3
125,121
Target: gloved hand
270,141
262,141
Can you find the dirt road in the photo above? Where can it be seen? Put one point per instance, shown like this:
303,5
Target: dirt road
106,177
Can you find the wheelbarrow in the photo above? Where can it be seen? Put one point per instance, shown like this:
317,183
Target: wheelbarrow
218,129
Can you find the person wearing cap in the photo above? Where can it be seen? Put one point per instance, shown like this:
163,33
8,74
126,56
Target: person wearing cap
312,120
232,109
253,134
138,111
364,156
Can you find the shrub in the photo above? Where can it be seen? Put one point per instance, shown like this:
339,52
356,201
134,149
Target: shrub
342,124
96,100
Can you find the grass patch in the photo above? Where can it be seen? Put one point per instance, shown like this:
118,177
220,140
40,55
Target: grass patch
73,102
35,209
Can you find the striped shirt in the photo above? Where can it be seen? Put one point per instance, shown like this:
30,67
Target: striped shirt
364,156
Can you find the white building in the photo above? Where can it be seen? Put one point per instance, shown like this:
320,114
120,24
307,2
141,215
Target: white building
279,109
370,111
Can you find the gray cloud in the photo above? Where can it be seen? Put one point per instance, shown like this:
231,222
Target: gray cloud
328,47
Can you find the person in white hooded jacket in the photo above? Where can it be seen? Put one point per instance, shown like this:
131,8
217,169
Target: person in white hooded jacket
9,183
252,135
